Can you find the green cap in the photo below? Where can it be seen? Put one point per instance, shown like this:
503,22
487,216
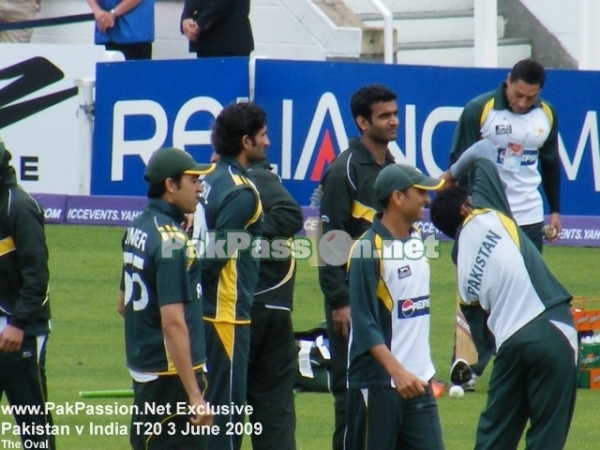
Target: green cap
170,162
397,177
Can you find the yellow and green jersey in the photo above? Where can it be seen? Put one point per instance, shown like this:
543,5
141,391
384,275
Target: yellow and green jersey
349,204
389,299
232,204
159,270
24,301
497,265
532,135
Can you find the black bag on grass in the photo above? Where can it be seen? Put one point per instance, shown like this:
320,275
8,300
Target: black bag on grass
313,360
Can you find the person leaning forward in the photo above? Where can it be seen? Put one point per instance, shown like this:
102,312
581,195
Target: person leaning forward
161,303
507,117
534,377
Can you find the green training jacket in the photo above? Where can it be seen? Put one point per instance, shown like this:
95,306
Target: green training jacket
349,203
23,259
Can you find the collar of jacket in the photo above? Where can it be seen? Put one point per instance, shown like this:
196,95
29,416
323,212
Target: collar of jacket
229,161
382,231
8,177
159,205
364,156
264,164
501,101
379,228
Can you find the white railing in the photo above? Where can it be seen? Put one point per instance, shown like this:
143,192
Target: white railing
486,33
589,55
85,131
388,31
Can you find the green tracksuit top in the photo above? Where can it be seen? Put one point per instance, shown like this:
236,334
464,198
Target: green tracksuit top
232,204
282,219
349,203
23,259
159,269
497,265
534,134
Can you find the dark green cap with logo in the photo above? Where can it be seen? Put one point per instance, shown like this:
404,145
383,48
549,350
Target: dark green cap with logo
170,162
397,177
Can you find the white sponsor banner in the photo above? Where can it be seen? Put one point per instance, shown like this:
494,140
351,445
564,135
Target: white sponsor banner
39,109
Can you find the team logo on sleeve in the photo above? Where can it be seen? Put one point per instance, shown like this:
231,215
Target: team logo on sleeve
404,272
503,129
414,307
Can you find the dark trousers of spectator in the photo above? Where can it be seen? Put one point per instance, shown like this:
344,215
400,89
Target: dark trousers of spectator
339,362
141,50
23,380
221,54
272,369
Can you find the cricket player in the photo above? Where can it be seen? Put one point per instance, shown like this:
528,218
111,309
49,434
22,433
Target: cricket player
535,372
24,306
161,302
524,129
390,400
239,137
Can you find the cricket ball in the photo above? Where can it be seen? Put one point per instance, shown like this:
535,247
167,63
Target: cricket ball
456,392
549,232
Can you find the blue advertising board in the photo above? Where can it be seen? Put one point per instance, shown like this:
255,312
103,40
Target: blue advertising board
144,105
310,121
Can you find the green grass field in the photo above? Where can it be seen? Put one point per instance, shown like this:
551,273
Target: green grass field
86,349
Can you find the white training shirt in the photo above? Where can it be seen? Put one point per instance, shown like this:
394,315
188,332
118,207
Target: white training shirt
529,131
487,241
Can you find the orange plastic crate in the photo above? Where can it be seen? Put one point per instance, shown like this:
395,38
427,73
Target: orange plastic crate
589,379
586,313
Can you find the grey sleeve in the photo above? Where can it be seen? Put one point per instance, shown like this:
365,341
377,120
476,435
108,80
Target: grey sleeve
482,149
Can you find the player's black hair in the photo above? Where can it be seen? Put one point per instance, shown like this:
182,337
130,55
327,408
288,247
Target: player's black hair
445,209
529,71
384,203
235,122
367,96
157,190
